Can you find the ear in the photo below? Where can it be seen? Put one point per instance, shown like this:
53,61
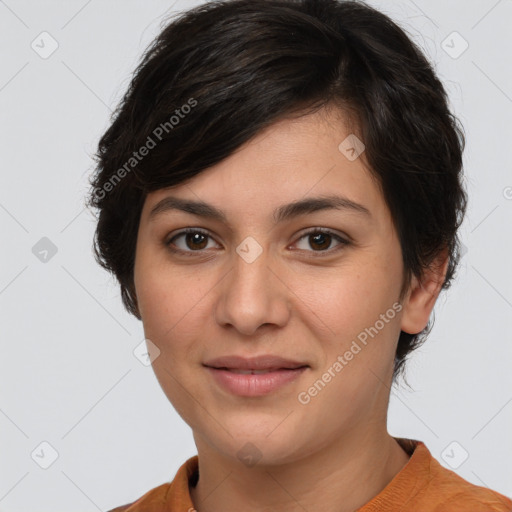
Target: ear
422,295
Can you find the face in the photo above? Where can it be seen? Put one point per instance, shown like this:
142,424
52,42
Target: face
313,286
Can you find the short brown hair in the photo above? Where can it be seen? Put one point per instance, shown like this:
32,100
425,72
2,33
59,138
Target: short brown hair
240,65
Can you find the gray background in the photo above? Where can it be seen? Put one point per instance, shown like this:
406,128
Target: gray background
68,373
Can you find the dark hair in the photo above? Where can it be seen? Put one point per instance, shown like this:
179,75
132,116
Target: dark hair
220,73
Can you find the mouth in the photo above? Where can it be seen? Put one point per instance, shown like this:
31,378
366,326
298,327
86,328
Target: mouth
257,372
252,377
247,383
263,363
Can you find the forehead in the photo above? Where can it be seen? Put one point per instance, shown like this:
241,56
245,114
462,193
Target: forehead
309,156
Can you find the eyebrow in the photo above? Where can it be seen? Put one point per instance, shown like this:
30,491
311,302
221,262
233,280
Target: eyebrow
282,213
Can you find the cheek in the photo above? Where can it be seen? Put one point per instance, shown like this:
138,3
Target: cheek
172,302
342,302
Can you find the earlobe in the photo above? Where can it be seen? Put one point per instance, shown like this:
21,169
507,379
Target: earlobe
423,292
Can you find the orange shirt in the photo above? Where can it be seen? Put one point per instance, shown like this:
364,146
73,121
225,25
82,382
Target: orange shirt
422,485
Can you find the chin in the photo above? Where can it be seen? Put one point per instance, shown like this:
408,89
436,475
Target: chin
263,444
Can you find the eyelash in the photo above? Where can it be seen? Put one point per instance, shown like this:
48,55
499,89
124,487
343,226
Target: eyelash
343,242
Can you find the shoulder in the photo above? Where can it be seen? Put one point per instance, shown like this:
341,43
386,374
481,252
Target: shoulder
153,501
449,491
122,508
424,485
173,495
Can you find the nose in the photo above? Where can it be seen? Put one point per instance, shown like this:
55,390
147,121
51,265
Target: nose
253,296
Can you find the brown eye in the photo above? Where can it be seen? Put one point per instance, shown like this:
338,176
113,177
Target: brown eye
189,240
195,240
320,240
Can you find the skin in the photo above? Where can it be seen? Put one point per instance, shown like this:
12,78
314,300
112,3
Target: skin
335,449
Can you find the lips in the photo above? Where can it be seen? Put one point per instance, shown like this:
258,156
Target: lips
252,372
254,376
254,365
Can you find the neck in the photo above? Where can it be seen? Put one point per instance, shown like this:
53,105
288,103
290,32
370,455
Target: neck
342,477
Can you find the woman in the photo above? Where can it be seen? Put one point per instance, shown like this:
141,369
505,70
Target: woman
279,196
